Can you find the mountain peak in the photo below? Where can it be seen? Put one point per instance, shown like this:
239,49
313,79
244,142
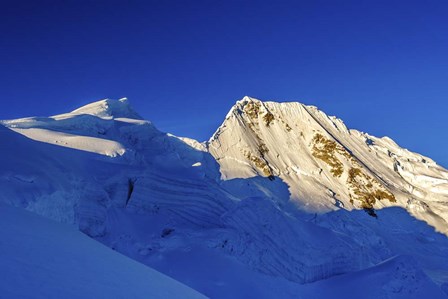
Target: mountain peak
246,99
109,108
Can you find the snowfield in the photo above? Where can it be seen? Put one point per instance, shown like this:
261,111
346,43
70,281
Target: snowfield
45,259
283,201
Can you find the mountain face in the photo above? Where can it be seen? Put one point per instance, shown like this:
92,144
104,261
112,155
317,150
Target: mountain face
282,201
326,165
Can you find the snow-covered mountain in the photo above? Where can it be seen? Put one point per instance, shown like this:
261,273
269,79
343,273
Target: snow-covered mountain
325,165
282,201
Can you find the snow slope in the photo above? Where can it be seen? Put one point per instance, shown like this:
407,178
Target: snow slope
397,277
271,205
44,259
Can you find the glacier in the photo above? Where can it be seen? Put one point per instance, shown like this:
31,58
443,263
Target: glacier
282,201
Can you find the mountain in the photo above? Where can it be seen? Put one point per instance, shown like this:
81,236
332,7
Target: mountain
282,201
326,165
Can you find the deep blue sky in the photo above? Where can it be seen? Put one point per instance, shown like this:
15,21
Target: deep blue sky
380,66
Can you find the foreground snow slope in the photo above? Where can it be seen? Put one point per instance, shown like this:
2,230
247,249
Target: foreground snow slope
272,202
44,259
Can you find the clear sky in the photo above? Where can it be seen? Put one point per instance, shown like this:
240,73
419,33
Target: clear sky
381,66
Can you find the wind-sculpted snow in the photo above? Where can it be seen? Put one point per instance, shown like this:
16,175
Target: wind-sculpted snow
281,245
277,194
192,200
